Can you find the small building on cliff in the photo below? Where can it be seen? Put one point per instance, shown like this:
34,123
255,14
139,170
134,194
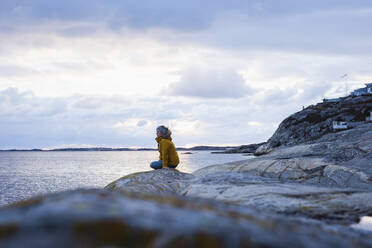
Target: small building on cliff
363,91
369,117
339,125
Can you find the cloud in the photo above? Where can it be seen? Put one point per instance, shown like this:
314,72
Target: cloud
279,96
30,121
160,13
340,27
210,83
115,14
314,91
90,66
9,70
302,94
142,123
336,30
15,104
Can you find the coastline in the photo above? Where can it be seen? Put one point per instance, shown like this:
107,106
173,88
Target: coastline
196,148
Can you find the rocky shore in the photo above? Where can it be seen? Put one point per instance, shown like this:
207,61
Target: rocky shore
315,121
305,190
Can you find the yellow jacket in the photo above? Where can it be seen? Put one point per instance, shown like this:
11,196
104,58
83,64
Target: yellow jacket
168,153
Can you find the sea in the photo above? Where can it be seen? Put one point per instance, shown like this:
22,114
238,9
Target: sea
30,173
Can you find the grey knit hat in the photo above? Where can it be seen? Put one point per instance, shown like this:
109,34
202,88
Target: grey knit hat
164,130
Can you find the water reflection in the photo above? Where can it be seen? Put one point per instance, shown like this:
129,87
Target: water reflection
365,223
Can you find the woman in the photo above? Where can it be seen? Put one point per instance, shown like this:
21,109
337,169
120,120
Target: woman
168,155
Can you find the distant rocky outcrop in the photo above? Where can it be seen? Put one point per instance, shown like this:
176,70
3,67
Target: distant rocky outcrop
315,121
351,148
110,149
251,148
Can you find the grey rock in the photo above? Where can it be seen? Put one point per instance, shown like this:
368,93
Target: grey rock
315,121
104,218
302,186
244,148
263,149
156,181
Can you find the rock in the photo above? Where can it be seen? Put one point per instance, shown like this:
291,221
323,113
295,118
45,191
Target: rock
244,186
349,150
243,149
156,181
263,149
313,122
104,218
302,186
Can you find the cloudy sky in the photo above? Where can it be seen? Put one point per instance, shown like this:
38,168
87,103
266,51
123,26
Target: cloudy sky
106,73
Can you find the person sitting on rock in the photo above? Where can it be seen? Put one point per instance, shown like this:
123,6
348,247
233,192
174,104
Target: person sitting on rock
168,157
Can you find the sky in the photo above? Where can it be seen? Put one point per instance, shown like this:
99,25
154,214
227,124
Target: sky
94,73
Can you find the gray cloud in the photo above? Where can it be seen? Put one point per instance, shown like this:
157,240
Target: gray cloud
27,120
141,123
166,13
310,26
313,92
279,96
9,70
333,31
31,121
26,105
301,95
210,83
115,14
303,37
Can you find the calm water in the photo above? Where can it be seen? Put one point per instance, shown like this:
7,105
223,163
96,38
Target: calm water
24,174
